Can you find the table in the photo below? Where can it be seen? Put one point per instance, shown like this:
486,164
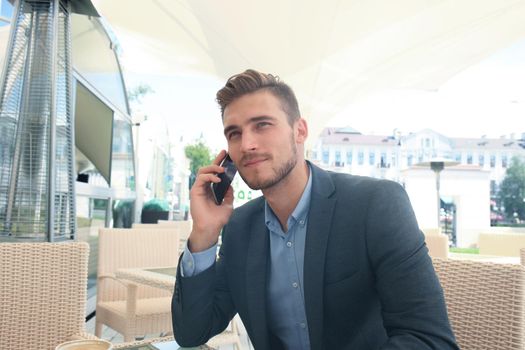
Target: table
159,277
147,345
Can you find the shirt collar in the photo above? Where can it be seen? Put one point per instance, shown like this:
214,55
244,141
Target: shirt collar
299,213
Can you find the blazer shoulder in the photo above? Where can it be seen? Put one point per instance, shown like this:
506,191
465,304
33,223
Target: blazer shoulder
362,184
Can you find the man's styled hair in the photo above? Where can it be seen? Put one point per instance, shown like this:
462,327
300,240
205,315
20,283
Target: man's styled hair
251,81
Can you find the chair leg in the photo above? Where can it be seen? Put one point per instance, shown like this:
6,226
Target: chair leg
98,329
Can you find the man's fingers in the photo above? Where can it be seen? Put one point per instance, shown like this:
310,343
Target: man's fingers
228,197
220,157
206,178
210,169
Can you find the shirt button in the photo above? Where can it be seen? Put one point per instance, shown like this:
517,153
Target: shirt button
289,244
303,325
301,222
295,285
190,263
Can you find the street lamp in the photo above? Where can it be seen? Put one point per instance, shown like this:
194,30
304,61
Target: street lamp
437,165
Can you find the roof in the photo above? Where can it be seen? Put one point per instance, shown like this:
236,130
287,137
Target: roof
331,52
345,136
358,139
486,143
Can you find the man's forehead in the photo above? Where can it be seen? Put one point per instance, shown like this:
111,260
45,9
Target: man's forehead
256,104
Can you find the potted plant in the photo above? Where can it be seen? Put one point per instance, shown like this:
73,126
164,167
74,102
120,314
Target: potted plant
154,210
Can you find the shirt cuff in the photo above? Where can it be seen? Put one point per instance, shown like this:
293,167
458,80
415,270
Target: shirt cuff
195,263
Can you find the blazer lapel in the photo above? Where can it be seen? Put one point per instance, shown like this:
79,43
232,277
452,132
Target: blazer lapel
256,278
319,224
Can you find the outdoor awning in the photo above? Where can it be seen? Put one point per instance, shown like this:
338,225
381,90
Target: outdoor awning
332,52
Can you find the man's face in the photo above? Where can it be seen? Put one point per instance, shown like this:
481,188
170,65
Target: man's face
261,142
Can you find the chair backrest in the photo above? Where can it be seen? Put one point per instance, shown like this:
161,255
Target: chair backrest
184,226
43,290
431,231
484,302
130,248
437,245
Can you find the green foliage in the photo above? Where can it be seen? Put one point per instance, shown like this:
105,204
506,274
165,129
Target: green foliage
199,155
156,204
138,92
512,189
464,250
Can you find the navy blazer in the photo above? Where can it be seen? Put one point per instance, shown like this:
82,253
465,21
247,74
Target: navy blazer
368,280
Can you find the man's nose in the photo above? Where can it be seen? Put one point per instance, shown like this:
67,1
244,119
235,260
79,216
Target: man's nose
249,142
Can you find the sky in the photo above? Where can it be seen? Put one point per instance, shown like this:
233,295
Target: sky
486,99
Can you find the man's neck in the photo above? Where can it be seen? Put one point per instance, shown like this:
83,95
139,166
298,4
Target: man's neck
284,196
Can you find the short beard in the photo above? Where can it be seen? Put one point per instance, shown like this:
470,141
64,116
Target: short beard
280,173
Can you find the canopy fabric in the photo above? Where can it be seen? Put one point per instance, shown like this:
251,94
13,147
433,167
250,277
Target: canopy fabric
331,52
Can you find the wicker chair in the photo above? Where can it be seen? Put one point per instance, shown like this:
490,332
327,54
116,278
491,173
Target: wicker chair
437,245
484,302
183,227
43,290
132,309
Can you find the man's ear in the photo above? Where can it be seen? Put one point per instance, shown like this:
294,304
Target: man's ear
301,130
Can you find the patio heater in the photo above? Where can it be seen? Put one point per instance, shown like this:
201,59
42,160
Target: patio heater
437,165
37,193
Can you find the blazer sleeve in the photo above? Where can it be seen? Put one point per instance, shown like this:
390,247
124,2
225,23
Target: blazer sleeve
201,306
413,305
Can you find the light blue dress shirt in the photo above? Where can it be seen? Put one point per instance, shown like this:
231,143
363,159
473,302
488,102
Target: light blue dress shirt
286,309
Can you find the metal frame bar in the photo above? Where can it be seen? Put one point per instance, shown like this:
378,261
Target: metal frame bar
52,128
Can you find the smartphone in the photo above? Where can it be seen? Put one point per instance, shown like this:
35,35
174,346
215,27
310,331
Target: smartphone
219,189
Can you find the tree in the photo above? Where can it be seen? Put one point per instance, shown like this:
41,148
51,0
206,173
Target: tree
199,155
136,93
512,189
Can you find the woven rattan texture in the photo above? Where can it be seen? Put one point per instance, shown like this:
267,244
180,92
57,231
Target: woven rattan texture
137,309
484,302
42,293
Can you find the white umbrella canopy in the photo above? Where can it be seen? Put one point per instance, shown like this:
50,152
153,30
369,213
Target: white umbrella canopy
331,52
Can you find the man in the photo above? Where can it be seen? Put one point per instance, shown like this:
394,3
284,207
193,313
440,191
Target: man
321,261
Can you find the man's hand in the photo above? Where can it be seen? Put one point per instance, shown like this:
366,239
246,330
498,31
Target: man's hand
208,217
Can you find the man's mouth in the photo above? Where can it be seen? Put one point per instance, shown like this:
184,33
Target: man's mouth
253,161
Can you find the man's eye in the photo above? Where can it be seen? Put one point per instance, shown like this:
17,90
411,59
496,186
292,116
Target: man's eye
233,135
262,124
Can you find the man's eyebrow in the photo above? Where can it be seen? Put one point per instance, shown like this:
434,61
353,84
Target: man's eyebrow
250,121
229,128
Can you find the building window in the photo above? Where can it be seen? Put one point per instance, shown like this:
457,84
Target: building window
360,157
504,161
481,160
326,155
492,161
371,158
338,158
469,158
410,159
349,155
314,155
383,160
457,157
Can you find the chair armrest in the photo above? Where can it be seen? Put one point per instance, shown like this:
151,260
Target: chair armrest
131,293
